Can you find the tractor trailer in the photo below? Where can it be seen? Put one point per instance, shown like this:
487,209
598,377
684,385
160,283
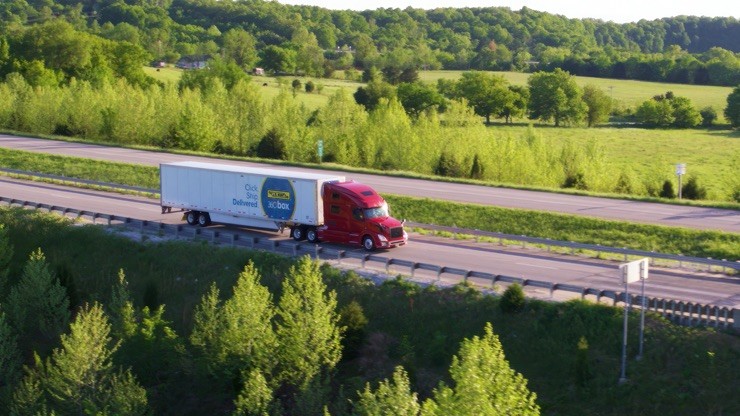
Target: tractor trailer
315,207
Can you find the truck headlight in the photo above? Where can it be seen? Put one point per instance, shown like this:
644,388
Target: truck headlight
382,238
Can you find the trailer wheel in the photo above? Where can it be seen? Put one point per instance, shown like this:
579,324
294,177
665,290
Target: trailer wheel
312,235
298,233
192,217
368,243
204,219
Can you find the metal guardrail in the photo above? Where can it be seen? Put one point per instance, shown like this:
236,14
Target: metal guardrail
681,312
724,264
680,259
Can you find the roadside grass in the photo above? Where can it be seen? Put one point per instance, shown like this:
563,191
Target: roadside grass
670,240
712,156
684,371
561,227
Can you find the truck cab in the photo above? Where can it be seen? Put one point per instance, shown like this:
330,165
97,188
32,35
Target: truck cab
355,214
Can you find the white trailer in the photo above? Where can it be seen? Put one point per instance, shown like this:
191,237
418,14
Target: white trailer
252,197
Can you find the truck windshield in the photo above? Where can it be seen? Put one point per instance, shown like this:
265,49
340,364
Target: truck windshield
377,212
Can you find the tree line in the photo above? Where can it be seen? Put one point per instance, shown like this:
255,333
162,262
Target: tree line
318,42
437,129
249,354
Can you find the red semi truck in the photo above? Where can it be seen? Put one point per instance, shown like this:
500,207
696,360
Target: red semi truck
314,207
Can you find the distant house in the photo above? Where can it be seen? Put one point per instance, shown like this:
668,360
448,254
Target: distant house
158,64
193,62
258,71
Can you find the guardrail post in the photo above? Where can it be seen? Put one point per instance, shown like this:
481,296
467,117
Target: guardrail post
317,250
439,273
388,263
413,269
735,318
295,249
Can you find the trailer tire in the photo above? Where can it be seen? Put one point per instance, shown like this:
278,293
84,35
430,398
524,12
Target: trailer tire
192,217
368,244
204,220
298,233
312,235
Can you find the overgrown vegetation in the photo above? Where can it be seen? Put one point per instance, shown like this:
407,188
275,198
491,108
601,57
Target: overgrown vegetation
569,353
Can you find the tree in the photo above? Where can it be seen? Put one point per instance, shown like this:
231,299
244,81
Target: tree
79,377
240,47
684,113
517,105
488,94
513,299
6,255
392,397
484,383
236,336
692,190
417,97
555,96
255,397
40,288
277,59
371,95
732,111
10,357
309,56
656,113
309,336
272,146
708,116
598,104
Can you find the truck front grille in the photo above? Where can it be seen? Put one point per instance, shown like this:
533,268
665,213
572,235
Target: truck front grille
397,232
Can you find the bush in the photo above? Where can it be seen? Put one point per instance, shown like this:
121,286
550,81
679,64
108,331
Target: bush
449,166
310,86
512,300
708,116
667,191
692,189
272,146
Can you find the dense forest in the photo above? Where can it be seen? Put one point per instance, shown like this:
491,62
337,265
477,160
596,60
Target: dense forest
317,41
122,327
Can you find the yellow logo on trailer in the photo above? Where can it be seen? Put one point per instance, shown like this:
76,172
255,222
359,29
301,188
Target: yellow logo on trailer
273,194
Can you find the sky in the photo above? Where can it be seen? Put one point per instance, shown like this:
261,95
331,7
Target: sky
619,11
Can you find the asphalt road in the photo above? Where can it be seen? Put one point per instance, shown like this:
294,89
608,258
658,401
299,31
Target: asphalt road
531,264
635,211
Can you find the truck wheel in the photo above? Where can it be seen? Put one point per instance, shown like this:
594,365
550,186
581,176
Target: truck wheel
368,243
298,233
312,235
191,217
204,219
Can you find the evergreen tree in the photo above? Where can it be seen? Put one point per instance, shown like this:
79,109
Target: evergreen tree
236,336
309,336
38,287
6,254
10,358
122,312
484,383
255,397
79,377
390,398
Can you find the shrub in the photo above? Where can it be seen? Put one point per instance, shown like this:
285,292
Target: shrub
667,191
692,189
310,86
272,146
512,300
708,116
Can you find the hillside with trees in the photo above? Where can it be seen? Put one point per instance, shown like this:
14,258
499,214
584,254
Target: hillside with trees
317,41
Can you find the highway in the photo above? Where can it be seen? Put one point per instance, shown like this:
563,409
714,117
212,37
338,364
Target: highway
527,263
606,208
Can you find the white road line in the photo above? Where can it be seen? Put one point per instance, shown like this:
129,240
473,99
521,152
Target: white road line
534,265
